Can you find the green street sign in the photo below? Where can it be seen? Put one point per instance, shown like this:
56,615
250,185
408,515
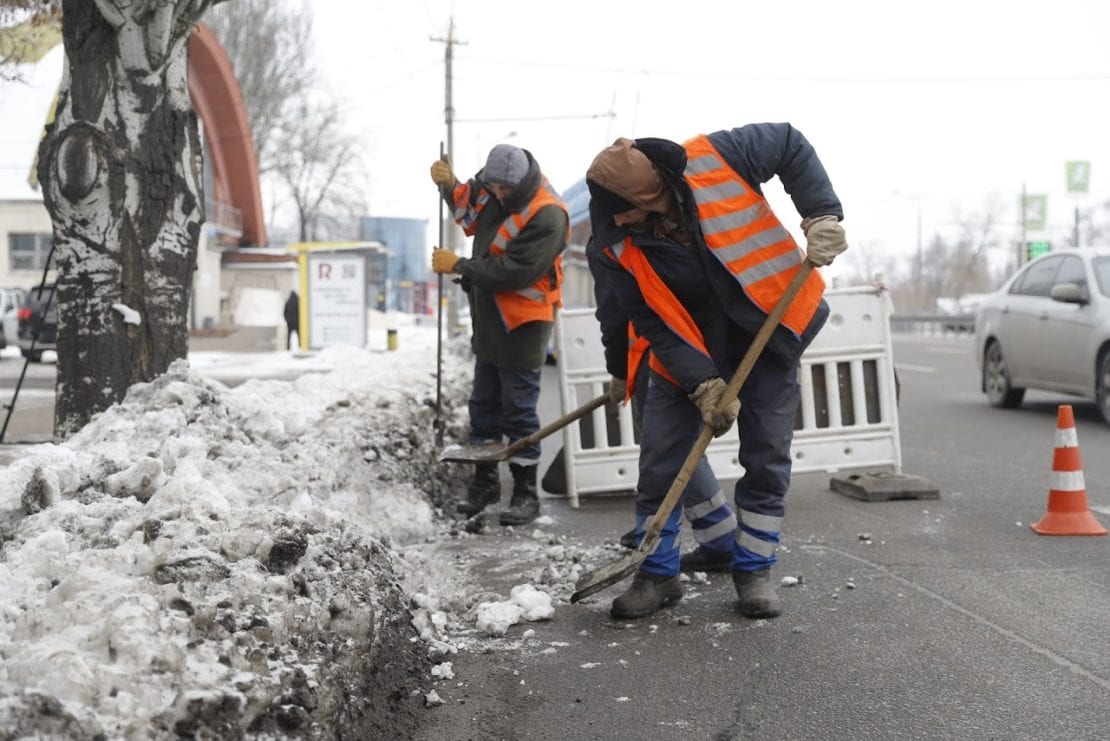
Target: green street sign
1036,249
1034,212
1079,176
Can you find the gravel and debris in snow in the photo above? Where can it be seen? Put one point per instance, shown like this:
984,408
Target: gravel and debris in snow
261,560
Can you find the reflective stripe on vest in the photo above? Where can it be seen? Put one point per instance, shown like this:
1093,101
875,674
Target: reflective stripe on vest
661,300
537,302
746,237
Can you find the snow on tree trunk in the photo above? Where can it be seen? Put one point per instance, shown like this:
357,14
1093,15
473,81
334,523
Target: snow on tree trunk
121,174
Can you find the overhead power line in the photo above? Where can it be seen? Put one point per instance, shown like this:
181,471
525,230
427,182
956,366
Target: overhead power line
647,72
606,114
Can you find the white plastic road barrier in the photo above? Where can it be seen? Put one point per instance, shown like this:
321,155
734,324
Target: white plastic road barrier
847,419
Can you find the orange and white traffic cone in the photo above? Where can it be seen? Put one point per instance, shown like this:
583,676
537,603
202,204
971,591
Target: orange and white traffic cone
1067,513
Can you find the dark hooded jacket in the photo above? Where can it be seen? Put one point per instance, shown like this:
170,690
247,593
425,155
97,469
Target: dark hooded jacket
725,315
529,256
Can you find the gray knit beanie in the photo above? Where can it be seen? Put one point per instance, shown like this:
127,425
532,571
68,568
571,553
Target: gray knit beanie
505,165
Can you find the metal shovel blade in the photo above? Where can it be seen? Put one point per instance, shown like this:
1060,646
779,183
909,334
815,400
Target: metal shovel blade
474,453
608,575
492,452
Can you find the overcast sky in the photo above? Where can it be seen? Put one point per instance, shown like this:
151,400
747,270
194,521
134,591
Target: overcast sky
930,110
934,104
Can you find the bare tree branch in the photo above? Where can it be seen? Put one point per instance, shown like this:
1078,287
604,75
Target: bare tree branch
269,43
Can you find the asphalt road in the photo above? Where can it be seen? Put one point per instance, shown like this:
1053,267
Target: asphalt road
960,622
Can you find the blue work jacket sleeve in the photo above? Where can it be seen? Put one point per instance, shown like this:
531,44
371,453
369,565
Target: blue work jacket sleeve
610,315
759,152
624,302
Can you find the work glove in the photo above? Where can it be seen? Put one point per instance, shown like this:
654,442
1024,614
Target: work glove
617,390
442,175
707,396
824,239
444,261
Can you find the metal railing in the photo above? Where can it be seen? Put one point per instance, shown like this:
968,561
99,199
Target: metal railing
224,218
936,325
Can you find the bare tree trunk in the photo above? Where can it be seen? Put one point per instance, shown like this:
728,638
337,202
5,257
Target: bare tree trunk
121,175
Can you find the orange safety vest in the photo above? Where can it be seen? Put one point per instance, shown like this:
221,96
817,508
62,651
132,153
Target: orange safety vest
747,238
538,301
661,300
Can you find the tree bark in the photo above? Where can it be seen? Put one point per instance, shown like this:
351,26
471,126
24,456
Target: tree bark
121,173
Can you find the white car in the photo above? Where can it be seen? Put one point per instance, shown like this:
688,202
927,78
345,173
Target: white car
1048,327
10,301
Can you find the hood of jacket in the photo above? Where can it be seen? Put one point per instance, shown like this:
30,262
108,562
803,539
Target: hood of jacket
525,190
627,172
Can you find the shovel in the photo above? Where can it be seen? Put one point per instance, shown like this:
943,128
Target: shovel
494,452
597,580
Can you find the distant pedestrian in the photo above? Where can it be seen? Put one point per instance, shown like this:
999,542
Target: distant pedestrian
513,280
292,319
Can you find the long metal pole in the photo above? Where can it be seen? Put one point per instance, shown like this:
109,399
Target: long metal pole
1076,232
1022,247
440,298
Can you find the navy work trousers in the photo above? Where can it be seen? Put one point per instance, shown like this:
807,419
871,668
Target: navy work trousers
769,402
503,405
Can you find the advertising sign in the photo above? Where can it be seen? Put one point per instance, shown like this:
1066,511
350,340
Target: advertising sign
1079,176
336,299
1034,212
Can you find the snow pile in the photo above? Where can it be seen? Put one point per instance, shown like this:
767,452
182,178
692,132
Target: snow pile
267,559
525,603
204,559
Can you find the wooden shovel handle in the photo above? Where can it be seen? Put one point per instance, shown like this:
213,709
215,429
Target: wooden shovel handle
655,525
558,424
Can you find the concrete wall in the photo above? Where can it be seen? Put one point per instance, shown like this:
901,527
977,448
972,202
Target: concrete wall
21,217
251,283
31,217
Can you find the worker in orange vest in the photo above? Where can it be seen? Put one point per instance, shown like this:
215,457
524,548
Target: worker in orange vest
689,251
513,280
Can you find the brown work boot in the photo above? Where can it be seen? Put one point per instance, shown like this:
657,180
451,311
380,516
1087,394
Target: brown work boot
757,594
630,540
484,489
703,559
525,504
647,594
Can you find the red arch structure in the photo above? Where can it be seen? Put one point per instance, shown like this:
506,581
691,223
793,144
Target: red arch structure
219,103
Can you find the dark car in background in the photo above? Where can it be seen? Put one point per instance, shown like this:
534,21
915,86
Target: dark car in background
38,313
1048,328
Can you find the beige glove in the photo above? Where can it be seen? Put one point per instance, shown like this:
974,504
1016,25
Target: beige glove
444,261
442,175
617,390
707,396
824,239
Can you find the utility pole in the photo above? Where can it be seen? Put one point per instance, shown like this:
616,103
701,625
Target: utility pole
449,43
449,229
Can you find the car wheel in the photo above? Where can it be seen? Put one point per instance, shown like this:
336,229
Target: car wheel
1102,386
996,379
35,356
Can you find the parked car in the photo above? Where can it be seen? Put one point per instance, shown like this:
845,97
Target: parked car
1048,327
39,312
10,301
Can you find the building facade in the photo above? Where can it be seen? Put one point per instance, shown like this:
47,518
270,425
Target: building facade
404,285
